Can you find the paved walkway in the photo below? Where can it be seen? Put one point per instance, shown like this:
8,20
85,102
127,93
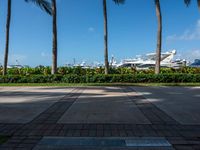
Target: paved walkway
104,105
175,101
48,118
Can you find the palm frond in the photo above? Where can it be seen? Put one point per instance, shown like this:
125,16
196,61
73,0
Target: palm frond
43,4
156,1
187,2
198,1
119,1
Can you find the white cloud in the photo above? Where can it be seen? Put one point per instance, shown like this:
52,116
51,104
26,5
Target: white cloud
188,34
44,54
91,29
190,55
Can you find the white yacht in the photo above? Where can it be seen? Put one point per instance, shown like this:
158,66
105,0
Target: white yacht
15,66
149,61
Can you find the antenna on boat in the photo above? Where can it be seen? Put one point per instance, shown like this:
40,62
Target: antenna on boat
74,61
17,62
112,61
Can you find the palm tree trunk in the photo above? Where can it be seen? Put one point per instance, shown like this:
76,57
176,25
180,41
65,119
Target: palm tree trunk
7,37
159,37
54,49
105,37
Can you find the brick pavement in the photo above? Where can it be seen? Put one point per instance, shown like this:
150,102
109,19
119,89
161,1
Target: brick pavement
26,136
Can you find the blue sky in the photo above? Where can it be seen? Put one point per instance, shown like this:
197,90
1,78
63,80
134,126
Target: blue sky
132,30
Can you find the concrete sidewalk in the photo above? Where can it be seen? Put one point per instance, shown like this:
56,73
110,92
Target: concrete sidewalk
23,104
100,104
104,105
181,103
30,115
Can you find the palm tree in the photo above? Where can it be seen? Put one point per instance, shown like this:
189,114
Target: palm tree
159,34
45,5
7,37
159,37
106,32
54,49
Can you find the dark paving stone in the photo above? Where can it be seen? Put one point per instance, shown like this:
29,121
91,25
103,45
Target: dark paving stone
26,136
54,112
150,111
183,147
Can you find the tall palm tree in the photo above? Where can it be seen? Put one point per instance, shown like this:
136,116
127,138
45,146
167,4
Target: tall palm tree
106,32
7,37
54,49
159,37
45,5
159,34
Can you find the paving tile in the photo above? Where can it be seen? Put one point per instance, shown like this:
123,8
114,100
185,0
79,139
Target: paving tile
107,133
69,133
129,133
100,133
61,133
84,133
92,133
25,136
183,147
115,133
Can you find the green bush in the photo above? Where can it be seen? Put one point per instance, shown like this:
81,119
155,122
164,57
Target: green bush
41,70
101,78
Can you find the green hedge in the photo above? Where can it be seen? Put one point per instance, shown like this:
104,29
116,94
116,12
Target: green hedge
127,78
41,70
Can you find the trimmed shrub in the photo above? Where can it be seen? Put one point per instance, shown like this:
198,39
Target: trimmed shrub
112,78
41,70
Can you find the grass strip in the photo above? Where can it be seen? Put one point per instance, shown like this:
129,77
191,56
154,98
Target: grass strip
94,84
